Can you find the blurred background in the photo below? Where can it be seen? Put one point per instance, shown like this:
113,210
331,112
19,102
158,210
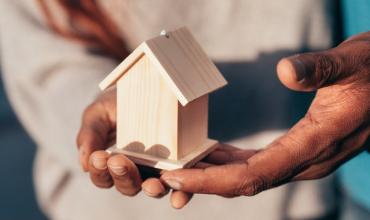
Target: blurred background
17,196
17,150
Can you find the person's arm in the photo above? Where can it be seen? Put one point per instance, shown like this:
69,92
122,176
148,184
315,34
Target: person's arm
335,128
49,80
52,83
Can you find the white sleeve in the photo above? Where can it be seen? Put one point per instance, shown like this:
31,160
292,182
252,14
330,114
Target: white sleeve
49,80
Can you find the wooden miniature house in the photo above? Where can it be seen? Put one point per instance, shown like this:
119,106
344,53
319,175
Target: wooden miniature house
162,101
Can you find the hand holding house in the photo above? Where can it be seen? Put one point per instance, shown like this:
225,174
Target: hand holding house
162,101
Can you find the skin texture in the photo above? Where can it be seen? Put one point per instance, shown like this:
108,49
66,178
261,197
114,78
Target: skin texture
96,134
335,129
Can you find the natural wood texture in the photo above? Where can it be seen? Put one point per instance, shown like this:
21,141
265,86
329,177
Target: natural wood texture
147,112
181,61
150,119
168,164
162,101
122,68
192,126
190,71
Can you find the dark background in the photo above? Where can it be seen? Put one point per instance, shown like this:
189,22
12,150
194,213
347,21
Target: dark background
17,196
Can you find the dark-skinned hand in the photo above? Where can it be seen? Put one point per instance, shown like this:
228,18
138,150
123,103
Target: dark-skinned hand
335,128
96,134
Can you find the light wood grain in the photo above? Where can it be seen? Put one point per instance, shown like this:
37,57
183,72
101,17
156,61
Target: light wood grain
162,101
122,68
192,126
180,60
167,164
147,112
190,72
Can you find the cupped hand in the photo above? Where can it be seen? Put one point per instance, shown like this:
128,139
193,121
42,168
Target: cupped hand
335,128
97,133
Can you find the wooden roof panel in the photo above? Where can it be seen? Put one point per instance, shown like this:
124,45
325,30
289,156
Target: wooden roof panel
188,66
182,62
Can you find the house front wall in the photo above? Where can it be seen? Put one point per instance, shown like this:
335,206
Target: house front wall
147,112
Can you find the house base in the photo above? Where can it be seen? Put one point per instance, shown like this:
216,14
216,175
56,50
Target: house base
167,164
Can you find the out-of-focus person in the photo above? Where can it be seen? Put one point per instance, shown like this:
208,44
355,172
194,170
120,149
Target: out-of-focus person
54,54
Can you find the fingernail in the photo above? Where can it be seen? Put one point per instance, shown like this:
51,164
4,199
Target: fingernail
118,170
149,193
174,184
299,67
100,163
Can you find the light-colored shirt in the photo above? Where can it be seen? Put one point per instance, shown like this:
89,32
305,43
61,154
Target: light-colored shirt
50,80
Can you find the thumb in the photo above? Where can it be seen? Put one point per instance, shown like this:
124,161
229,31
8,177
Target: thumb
310,71
94,133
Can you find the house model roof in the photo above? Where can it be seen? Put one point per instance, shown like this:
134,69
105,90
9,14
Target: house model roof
181,61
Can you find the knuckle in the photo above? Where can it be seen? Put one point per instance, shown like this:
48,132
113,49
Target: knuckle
202,188
324,144
290,141
354,52
360,58
327,68
311,120
252,186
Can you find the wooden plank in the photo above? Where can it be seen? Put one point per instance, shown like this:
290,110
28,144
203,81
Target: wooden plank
147,112
122,68
192,125
182,62
190,72
167,164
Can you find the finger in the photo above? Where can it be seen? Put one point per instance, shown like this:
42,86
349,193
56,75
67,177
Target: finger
305,143
203,165
234,156
98,169
310,71
179,199
93,134
219,180
153,187
125,175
